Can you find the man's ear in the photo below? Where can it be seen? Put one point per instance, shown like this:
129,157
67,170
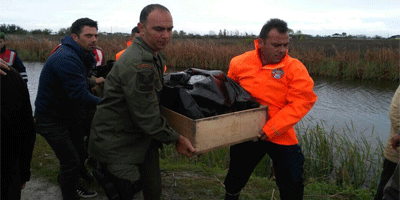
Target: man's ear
140,27
260,42
75,37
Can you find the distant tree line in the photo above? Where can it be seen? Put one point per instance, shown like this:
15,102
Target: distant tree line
212,34
14,29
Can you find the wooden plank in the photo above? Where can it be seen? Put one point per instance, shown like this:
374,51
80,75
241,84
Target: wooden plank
219,131
180,123
229,129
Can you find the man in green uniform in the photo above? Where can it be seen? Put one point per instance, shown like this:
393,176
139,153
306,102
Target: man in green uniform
128,128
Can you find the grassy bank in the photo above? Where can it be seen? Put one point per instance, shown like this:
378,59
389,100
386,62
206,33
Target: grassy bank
341,58
338,166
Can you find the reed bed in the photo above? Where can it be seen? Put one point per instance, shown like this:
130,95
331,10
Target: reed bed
340,58
361,59
342,156
203,53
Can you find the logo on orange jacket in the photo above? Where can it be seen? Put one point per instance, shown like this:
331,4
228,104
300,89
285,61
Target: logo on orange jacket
278,73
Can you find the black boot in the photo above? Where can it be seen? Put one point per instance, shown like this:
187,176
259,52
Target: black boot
229,196
87,175
93,162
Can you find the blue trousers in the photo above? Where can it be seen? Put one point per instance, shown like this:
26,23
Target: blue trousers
288,164
66,140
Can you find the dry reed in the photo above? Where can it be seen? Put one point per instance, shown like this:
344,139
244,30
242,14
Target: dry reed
360,59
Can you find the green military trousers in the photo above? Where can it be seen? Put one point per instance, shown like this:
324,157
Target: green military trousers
148,172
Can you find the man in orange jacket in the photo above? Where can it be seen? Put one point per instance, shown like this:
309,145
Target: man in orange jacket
275,79
135,32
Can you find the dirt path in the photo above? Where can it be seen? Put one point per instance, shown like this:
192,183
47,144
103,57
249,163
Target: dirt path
41,189
176,185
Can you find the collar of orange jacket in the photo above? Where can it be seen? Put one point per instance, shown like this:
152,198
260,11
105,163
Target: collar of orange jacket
271,66
128,43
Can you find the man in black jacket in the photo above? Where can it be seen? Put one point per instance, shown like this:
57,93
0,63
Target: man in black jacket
17,133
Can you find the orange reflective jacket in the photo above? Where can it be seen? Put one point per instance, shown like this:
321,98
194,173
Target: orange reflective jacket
285,87
120,53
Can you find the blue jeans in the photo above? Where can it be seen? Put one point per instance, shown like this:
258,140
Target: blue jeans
288,164
66,140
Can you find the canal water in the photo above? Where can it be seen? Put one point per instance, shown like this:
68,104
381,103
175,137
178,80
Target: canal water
360,105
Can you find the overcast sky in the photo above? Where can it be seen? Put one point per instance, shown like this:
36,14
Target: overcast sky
314,17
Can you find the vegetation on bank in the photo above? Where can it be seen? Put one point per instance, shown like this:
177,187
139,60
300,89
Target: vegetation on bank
331,57
337,166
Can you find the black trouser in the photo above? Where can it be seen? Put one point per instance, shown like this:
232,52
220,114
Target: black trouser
392,188
66,140
117,188
388,170
10,179
150,173
288,164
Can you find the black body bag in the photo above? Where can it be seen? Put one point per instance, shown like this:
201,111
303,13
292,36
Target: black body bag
197,93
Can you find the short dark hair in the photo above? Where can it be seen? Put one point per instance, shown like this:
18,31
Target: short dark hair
148,9
279,24
77,26
135,30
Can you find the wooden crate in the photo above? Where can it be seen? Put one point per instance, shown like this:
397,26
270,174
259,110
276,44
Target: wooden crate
219,131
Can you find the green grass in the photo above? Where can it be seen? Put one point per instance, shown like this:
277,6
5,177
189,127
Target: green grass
338,165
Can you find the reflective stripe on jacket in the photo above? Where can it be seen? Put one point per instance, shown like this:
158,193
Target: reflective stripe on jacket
285,87
99,55
8,56
12,59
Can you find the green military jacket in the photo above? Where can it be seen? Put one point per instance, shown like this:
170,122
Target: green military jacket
128,117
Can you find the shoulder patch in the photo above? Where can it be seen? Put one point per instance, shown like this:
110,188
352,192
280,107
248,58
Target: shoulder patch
145,80
140,66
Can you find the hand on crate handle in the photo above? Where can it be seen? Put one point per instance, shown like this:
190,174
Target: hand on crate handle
184,146
262,136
